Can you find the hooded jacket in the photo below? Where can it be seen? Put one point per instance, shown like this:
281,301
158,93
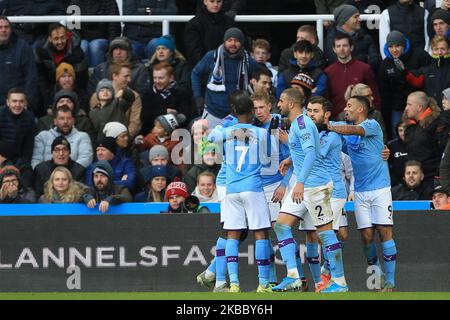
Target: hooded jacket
422,142
114,194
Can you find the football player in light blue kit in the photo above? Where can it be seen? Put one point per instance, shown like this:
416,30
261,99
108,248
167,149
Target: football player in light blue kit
245,204
373,199
214,277
311,195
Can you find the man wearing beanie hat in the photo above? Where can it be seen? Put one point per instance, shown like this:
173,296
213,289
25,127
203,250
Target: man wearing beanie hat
103,191
63,125
393,87
114,129
227,69
347,20
11,190
61,151
440,23
124,168
120,51
62,47
409,18
64,69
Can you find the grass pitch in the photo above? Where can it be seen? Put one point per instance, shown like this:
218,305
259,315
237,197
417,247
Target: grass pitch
223,296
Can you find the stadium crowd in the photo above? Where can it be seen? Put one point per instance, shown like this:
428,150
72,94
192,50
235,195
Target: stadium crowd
95,115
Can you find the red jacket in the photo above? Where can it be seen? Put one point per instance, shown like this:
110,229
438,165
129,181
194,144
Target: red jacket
340,76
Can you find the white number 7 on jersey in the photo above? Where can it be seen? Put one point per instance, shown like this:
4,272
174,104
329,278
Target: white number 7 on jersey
244,150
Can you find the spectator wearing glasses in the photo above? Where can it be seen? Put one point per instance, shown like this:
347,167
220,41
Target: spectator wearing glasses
11,190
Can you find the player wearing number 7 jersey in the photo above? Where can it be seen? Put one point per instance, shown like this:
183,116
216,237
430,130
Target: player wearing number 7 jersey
245,203
373,198
311,195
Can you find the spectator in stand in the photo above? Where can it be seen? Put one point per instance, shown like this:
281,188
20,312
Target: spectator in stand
61,46
302,63
165,97
8,158
439,22
65,80
210,163
443,128
61,151
191,153
142,33
346,71
155,183
394,89
32,32
347,20
124,169
120,51
361,89
305,32
81,145
17,125
261,53
421,138
161,132
305,84
407,17
11,189
412,187
67,99
398,154
166,53
205,31
230,7
262,80
96,36
158,156
440,198
17,64
206,190
227,69
104,191
176,194
328,7
120,80
125,148
433,5
435,77
61,188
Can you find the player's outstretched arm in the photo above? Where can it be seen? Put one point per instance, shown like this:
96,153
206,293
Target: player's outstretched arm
347,130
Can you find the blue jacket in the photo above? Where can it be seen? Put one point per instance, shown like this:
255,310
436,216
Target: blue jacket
121,166
217,102
17,68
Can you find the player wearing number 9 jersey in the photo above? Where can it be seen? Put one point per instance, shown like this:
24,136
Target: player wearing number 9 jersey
373,199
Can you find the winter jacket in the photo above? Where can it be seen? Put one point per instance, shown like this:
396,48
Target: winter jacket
364,48
394,89
44,169
422,142
403,192
433,78
397,160
126,110
121,167
205,32
24,196
216,103
285,78
340,76
190,178
151,140
443,129
18,69
80,146
98,30
287,55
19,130
444,167
146,31
155,105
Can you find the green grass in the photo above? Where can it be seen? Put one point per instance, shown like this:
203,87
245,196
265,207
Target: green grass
222,296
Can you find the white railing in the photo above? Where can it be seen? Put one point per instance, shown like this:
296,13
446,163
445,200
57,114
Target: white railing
166,20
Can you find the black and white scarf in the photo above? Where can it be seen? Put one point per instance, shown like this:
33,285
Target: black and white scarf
217,81
167,91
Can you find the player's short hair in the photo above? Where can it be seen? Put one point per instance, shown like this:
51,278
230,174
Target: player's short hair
340,36
413,163
356,90
164,65
260,95
116,67
241,103
261,43
309,29
364,102
262,71
206,173
16,91
54,26
294,95
303,46
325,103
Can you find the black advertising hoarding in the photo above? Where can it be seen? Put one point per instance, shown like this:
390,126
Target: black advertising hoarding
165,252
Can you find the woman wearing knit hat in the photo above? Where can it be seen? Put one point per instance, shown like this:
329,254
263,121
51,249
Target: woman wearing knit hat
155,181
65,77
176,195
120,132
